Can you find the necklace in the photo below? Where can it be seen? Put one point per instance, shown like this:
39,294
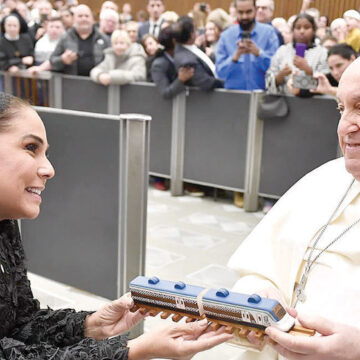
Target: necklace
300,288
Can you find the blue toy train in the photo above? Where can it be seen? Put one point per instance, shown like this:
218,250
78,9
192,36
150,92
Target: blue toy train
221,306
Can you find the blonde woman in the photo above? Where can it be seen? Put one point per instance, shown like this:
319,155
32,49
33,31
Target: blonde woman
124,62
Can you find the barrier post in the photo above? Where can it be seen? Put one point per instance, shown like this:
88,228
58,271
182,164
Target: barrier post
134,170
253,155
114,92
178,144
55,91
8,86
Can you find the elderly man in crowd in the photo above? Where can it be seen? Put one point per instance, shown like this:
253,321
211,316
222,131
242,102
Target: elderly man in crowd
109,5
244,51
264,14
155,9
81,48
307,256
108,22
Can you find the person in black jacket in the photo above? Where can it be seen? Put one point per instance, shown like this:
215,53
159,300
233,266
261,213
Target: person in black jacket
28,332
16,49
168,80
81,48
187,54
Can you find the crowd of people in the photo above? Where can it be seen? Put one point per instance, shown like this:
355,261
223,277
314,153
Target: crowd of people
244,48
305,256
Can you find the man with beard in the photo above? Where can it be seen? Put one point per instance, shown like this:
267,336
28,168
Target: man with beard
81,48
244,51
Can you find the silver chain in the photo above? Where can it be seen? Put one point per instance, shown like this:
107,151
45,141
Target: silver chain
309,262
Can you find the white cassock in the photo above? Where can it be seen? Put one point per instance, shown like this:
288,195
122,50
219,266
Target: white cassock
274,253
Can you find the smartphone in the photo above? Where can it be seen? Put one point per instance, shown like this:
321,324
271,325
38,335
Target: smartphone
245,35
300,49
305,82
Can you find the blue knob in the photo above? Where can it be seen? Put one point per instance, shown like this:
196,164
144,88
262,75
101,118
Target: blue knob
180,285
154,280
223,292
254,299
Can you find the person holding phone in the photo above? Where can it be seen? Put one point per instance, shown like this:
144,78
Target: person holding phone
301,57
244,51
38,29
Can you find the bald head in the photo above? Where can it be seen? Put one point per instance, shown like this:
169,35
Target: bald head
83,19
351,75
349,125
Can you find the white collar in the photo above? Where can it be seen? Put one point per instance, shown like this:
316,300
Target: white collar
8,37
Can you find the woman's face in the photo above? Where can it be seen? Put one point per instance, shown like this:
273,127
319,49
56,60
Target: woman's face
120,46
303,31
24,167
351,23
12,26
151,46
338,65
322,23
212,32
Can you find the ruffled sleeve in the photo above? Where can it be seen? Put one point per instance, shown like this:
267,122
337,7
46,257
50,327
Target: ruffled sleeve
87,349
46,333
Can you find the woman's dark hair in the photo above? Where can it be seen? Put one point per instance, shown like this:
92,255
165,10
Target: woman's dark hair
343,50
183,29
308,18
9,107
166,38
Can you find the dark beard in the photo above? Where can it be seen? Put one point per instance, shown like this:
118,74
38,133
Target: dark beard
247,26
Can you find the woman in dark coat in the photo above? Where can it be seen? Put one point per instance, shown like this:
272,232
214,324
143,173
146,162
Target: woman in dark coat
28,332
16,49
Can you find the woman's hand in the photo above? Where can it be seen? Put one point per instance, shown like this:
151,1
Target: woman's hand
104,78
324,87
13,69
176,341
302,64
282,74
338,341
112,319
293,90
27,60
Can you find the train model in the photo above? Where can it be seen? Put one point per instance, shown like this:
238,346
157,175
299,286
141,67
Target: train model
240,313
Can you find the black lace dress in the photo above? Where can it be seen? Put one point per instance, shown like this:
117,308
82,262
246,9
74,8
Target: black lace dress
26,332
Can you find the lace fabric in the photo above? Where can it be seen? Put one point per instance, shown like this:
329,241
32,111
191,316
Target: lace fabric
28,332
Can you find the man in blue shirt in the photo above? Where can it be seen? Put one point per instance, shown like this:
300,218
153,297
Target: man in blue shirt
244,51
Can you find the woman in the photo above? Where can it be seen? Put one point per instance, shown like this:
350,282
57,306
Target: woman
27,332
187,54
151,46
124,62
217,21
16,49
339,58
285,62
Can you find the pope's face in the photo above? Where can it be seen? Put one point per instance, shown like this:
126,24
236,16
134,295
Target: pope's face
349,125
24,167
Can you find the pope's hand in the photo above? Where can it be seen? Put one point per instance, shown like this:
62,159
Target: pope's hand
337,341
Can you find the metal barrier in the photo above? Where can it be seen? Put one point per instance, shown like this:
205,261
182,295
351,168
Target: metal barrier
35,89
92,225
215,138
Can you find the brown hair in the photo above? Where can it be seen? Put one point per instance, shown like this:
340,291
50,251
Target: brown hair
9,107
